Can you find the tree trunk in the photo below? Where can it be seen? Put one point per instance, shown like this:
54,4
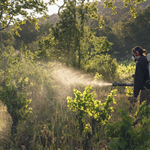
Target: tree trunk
93,126
2,49
14,126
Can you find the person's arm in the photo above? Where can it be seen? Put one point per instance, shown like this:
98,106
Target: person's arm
138,79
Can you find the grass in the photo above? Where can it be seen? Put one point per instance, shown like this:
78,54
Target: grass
5,120
53,126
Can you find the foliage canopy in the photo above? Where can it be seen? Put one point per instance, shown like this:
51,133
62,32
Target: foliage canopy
11,11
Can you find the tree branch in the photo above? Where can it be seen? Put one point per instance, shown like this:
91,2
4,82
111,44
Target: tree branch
136,121
7,24
1,14
61,7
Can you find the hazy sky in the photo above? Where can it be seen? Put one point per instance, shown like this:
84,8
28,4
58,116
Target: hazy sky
54,8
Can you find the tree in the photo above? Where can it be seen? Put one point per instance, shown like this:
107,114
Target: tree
7,38
131,4
132,33
27,34
66,31
27,9
69,31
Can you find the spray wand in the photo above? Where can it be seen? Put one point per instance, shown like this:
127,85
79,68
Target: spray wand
122,84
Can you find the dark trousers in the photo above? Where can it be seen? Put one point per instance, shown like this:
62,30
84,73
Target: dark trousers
145,96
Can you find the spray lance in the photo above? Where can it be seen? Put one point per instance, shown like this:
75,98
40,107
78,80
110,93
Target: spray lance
122,84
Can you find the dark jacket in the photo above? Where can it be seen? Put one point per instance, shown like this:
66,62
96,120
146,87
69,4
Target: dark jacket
141,75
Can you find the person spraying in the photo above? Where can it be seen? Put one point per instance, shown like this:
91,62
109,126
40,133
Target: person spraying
141,76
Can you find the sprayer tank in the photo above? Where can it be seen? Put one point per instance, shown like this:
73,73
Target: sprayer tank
148,58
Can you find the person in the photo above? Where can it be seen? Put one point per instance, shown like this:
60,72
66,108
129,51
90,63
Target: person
141,76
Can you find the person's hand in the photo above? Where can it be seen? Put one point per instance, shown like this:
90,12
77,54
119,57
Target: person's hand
134,100
133,75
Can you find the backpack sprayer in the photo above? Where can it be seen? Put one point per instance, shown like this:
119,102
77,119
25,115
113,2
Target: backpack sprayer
148,58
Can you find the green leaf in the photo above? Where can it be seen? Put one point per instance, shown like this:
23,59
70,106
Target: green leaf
122,143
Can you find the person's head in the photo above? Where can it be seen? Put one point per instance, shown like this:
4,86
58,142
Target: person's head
137,52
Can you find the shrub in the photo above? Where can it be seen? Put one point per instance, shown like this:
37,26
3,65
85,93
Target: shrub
14,97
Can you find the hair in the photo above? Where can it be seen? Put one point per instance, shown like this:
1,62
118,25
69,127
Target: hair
140,50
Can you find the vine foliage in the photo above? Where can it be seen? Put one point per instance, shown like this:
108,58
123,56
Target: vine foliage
131,132
85,105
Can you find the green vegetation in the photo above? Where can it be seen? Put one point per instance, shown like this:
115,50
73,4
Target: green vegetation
10,10
52,94
125,135
86,105
15,100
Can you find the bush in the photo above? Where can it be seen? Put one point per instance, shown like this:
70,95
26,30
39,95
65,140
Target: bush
14,97
104,65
